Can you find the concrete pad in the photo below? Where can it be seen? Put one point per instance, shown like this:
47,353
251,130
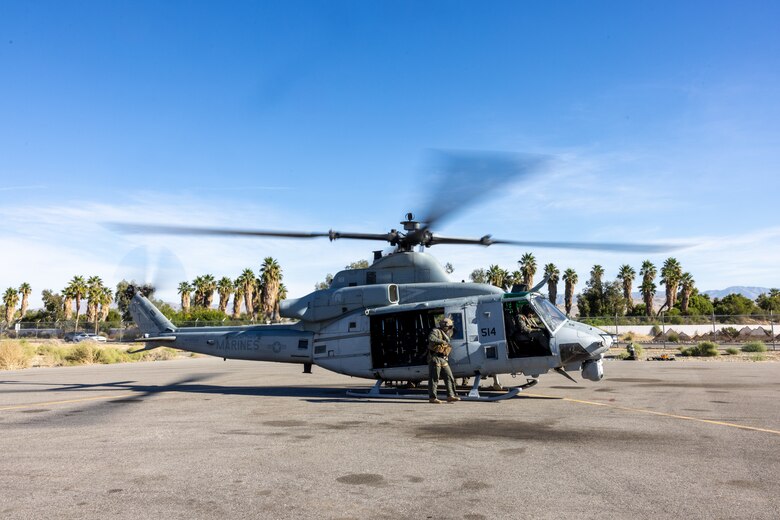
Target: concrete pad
203,438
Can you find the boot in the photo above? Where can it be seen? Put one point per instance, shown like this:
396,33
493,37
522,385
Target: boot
434,400
453,399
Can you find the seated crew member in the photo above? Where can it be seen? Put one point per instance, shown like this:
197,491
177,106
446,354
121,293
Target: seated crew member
528,321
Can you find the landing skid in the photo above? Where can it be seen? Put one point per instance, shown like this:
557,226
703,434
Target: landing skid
377,392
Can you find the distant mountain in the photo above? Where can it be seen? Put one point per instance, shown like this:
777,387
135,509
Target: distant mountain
660,298
748,292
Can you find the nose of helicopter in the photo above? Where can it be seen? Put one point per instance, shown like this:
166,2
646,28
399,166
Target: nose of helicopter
598,343
595,341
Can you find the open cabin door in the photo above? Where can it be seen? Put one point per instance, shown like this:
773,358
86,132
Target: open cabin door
400,339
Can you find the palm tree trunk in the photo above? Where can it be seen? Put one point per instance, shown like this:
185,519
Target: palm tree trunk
237,298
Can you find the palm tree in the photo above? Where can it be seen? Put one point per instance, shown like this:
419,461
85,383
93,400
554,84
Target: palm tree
247,283
514,279
201,285
77,289
476,276
553,275
67,303
596,276
209,286
686,288
257,297
238,297
24,291
185,289
570,280
528,268
94,294
671,273
626,276
225,289
282,296
496,276
10,299
271,276
648,272
106,297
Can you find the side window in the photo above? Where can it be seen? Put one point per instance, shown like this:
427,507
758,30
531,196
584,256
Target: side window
457,325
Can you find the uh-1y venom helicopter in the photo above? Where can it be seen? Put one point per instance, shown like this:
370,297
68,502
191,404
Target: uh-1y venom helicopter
374,323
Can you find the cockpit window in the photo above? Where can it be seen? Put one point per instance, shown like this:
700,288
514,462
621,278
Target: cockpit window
549,313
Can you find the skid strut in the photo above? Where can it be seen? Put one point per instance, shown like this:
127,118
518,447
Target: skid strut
376,392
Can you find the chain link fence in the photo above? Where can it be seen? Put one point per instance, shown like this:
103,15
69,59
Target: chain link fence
113,331
670,331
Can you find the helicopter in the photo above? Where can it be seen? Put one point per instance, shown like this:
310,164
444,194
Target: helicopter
374,322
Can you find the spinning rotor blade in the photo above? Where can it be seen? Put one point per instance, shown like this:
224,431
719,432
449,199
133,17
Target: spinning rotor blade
155,266
461,179
154,229
596,246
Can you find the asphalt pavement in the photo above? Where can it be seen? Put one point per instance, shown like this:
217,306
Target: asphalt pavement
202,438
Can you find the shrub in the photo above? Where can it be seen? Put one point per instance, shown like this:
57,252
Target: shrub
758,357
14,356
673,337
706,349
161,354
111,355
703,349
730,332
637,349
754,346
656,330
158,354
732,351
52,355
81,354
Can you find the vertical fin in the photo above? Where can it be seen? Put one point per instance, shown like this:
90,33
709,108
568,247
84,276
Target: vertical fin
147,317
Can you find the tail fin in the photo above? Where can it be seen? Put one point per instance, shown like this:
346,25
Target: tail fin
148,317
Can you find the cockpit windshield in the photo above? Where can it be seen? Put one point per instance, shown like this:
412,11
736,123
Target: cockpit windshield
549,313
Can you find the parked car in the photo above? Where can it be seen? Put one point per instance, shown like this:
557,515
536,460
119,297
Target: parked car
91,336
74,337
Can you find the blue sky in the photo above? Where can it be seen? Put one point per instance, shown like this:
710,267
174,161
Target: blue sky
662,118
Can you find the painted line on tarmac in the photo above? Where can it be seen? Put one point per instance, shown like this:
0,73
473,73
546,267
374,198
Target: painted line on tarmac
662,414
54,403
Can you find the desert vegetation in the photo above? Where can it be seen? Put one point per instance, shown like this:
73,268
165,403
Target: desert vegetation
19,354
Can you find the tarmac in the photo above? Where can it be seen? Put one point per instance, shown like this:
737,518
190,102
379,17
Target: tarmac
202,438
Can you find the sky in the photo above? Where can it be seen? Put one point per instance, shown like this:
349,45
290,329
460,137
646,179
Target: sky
661,119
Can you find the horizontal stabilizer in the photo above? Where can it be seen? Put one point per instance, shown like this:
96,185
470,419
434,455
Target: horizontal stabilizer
151,347
156,338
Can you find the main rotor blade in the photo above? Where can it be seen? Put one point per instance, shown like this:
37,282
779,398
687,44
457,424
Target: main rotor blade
594,246
154,229
461,179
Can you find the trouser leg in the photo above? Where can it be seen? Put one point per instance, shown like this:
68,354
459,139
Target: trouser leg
449,381
433,379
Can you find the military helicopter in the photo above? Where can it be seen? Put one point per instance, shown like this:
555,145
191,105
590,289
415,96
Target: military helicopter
373,323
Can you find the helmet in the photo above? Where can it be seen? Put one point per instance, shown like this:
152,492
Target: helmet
446,323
